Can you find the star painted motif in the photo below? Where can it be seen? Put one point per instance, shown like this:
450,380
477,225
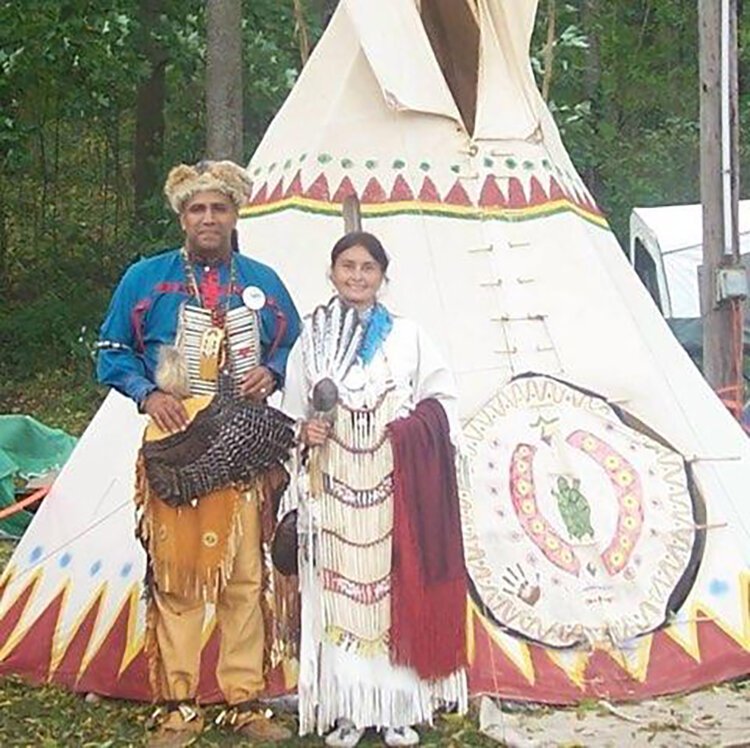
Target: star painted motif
548,427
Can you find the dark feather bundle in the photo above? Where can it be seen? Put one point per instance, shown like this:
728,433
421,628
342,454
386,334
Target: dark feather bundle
230,442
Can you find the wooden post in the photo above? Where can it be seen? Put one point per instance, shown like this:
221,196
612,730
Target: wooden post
352,214
721,345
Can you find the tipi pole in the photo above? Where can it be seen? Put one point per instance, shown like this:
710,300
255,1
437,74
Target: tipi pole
352,214
723,283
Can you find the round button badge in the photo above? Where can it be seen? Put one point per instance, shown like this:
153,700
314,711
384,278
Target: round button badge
253,298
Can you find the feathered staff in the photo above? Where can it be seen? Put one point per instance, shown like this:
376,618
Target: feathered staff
330,344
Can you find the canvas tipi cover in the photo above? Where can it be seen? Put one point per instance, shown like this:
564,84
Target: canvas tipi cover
605,524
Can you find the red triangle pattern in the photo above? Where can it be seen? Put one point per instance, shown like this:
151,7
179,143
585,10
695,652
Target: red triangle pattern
552,682
516,195
670,669
721,656
538,195
278,192
401,191
429,193
295,186
261,197
491,670
346,189
208,685
605,678
318,190
457,196
102,675
134,680
491,195
66,673
374,193
32,656
670,663
555,191
13,615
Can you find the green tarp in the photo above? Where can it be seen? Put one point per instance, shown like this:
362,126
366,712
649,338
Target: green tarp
28,449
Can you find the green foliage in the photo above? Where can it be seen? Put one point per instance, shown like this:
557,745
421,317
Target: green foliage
69,74
65,398
625,94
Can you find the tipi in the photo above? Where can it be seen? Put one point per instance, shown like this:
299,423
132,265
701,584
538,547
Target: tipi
605,525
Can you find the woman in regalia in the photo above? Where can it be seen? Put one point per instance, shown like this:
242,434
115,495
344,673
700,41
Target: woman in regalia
382,578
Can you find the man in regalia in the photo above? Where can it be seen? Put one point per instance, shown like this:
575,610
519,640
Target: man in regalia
198,338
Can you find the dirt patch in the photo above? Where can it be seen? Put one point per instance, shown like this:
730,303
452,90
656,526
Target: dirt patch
719,716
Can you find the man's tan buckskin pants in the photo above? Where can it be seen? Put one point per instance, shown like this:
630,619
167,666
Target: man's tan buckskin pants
179,626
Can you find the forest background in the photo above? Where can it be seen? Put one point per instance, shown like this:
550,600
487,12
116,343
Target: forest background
98,98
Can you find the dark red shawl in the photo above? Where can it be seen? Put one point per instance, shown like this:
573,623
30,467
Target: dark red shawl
428,576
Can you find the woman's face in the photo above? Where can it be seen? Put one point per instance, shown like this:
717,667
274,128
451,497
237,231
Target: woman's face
357,276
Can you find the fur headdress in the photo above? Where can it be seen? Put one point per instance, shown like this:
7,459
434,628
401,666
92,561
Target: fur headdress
222,176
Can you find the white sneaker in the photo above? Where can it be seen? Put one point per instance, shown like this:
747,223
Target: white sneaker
395,736
345,735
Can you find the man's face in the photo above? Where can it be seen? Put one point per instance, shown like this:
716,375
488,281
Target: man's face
208,219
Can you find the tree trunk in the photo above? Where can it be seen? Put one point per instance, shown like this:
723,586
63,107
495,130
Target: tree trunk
301,31
4,275
149,109
224,80
592,84
549,49
325,9
593,72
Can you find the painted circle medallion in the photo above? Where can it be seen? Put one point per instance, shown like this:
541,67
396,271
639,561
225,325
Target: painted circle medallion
579,528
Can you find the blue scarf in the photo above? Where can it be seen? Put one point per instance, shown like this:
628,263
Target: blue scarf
378,324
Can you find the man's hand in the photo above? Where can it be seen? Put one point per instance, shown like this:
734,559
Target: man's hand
258,384
314,433
168,412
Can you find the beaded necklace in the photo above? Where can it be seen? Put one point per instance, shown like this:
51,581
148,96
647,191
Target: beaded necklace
212,345
220,312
